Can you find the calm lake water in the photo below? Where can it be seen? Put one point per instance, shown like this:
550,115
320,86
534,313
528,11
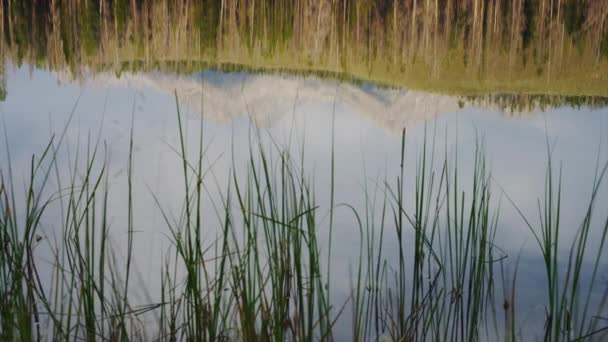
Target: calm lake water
367,123
123,79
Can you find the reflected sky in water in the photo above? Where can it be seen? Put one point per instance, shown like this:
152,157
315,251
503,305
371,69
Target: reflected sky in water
298,112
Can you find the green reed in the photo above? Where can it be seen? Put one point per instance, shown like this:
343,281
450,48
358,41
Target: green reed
568,311
441,287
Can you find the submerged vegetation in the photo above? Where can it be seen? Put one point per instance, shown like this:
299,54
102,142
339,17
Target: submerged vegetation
429,267
473,47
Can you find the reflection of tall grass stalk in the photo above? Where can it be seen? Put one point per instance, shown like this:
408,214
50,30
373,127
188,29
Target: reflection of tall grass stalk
331,191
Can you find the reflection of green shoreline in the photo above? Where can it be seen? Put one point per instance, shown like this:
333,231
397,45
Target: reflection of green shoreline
505,101
582,89
447,46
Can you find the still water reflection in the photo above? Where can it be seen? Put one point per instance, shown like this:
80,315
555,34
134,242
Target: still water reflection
364,123
335,83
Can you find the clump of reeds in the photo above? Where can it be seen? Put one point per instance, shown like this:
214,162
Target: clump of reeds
441,285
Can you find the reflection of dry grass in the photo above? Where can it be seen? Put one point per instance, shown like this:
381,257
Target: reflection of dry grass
423,51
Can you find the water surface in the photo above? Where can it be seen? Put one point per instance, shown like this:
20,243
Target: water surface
299,113
337,84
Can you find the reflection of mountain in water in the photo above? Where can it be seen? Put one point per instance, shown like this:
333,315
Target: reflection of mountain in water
266,98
